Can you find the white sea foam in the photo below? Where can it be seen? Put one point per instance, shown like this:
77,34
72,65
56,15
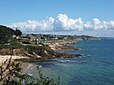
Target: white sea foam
64,60
40,66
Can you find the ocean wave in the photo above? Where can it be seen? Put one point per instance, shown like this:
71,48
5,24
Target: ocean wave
40,66
63,61
88,49
84,55
72,61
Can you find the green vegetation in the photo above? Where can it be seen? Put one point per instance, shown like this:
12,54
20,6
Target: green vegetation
11,44
11,74
7,33
26,42
18,32
40,50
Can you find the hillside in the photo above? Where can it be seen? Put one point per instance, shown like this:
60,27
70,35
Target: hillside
6,34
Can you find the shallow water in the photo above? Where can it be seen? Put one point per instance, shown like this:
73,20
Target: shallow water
95,67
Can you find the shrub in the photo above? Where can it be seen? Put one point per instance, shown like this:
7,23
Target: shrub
26,42
11,74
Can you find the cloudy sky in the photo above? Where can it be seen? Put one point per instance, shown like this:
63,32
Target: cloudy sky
90,17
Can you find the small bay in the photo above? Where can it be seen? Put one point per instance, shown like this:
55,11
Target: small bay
95,67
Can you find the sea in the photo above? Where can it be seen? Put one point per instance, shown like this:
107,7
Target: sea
94,67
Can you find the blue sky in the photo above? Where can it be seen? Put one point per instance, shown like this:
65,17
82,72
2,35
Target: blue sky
14,12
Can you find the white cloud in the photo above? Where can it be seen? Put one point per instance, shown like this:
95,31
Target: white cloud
88,25
97,24
63,23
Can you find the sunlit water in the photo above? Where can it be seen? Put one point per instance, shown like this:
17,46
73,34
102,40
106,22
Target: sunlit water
95,67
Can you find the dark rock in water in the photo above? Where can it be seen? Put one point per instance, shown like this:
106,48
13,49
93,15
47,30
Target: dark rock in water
35,60
66,55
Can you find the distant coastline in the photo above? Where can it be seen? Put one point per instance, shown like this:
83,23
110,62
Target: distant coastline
37,47
49,52
46,54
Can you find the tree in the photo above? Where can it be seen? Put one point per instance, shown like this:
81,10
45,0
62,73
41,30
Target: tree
5,34
11,74
18,32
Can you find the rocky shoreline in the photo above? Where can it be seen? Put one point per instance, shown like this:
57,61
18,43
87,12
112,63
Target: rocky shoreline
62,45
46,52
40,54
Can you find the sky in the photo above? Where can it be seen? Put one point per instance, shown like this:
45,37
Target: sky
90,17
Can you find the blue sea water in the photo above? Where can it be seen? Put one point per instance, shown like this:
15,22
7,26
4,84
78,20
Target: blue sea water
95,67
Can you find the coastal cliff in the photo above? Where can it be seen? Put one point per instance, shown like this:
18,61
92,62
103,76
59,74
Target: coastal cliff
36,53
38,46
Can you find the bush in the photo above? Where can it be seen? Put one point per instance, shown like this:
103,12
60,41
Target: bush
11,74
26,42
14,45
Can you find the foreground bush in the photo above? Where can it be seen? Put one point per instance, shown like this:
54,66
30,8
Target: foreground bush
11,74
